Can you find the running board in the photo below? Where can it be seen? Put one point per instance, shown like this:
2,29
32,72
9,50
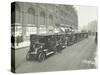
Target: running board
49,53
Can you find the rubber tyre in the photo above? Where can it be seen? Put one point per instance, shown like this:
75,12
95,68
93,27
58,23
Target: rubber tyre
41,56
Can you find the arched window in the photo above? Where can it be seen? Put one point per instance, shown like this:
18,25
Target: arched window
31,16
17,15
50,19
42,18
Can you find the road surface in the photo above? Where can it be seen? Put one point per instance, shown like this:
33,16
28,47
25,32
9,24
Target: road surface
78,56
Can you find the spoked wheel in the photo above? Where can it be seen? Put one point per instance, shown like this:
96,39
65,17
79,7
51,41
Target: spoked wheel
41,57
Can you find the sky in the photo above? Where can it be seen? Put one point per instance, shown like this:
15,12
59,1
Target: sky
86,14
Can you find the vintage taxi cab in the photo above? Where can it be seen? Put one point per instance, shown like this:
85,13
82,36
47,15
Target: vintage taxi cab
44,45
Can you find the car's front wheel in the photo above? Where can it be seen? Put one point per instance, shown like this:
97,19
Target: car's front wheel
41,56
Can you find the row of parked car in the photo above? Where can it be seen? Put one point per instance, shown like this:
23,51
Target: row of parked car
43,45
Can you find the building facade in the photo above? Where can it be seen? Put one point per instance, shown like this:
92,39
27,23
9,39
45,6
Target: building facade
36,18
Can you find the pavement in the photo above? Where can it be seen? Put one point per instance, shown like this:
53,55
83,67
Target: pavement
81,55
22,44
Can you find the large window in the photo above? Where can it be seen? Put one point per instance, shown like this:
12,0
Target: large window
31,16
31,30
42,18
42,30
50,19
